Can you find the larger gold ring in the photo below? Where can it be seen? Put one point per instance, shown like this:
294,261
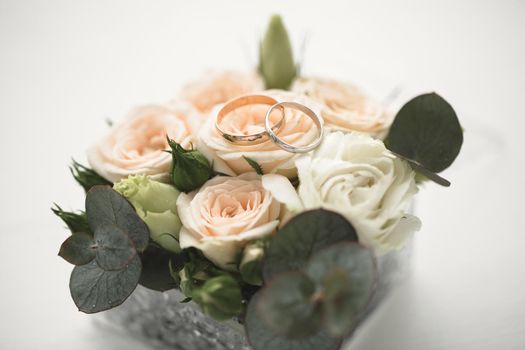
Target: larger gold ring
286,146
244,101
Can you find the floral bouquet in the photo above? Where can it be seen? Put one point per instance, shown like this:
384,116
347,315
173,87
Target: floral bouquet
266,199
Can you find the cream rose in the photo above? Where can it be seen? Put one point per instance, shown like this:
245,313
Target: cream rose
355,175
219,87
137,144
224,215
345,107
228,158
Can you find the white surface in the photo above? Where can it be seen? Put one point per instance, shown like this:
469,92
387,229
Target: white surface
67,65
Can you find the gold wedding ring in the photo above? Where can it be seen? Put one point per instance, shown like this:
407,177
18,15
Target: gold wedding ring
286,146
241,101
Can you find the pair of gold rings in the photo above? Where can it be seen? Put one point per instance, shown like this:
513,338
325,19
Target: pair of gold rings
271,131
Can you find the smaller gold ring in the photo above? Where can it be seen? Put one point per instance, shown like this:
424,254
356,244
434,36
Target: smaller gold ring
241,101
286,146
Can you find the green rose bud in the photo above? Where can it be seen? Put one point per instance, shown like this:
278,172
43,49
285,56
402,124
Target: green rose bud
219,297
276,62
190,170
155,203
251,263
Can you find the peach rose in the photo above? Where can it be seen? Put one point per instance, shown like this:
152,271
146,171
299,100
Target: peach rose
137,144
224,215
228,158
219,87
345,107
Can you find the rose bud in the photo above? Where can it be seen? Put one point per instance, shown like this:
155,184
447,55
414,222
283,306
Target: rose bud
277,64
219,297
190,170
155,203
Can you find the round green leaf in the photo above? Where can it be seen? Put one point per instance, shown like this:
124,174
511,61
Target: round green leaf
94,289
114,248
156,272
106,208
78,249
288,306
347,273
301,237
262,337
427,131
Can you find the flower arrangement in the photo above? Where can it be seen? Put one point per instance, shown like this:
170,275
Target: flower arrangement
269,215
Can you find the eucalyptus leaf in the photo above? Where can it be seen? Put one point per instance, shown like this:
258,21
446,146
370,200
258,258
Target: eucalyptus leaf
301,237
347,273
78,249
156,273
107,208
262,337
114,248
427,131
288,306
94,289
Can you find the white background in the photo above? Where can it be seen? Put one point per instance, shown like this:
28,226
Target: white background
67,65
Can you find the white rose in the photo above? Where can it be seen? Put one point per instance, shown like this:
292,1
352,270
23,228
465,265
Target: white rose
225,214
355,175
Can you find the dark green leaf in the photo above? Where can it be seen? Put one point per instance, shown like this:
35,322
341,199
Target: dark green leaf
94,289
78,249
106,208
86,177
114,248
256,166
76,222
301,237
288,306
262,337
347,273
276,62
156,272
251,272
427,131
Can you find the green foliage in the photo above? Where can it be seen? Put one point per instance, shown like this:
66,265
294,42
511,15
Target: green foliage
314,292
158,268
289,307
114,248
220,297
86,177
345,274
250,266
256,166
107,208
78,249
190,169
276,61
109,267
76,222
426,132
94,289
262,337
301,237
